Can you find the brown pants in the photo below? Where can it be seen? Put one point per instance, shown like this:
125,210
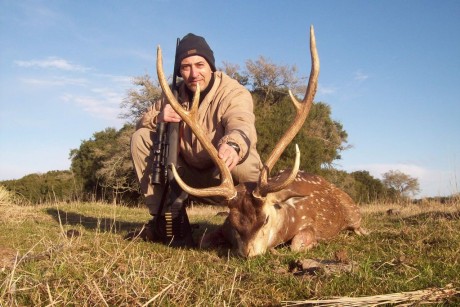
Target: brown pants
141,152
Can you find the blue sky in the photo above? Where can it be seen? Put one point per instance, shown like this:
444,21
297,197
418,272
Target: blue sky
389,69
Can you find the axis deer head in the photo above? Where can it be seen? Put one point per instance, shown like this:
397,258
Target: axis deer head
293,206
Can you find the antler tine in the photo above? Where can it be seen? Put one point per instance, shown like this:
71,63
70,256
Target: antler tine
226,188
302,110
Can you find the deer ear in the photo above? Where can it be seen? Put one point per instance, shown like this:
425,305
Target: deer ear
281,196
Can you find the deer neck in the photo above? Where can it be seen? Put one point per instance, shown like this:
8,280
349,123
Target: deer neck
283,221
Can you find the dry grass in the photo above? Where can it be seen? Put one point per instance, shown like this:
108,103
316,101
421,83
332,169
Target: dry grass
428,296
409,209
74,254
205,211
5,196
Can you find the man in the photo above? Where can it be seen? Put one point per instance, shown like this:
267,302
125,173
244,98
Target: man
225,112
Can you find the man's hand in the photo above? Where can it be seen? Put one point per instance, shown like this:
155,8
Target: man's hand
229,155
168,115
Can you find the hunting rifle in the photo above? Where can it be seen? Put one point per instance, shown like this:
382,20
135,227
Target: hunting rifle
175,230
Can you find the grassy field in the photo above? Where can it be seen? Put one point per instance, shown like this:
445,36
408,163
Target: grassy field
75,254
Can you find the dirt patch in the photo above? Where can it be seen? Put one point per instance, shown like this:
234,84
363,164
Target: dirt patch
312,267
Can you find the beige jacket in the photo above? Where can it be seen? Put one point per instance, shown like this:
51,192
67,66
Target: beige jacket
226,114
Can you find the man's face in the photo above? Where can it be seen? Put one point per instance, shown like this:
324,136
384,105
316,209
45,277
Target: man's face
195,69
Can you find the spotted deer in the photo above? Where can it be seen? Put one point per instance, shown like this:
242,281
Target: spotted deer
293,206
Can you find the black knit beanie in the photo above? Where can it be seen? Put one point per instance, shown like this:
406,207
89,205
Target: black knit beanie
192,44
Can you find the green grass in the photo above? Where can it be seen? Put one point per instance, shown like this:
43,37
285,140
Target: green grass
416,249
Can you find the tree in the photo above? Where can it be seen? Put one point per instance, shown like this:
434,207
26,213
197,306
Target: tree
49,187
402,183
103,164
271,80
115,173
140,98
320,140
343,181
88,159
367,188
233,70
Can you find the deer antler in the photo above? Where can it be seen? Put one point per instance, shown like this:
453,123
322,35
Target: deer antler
302,110
226,188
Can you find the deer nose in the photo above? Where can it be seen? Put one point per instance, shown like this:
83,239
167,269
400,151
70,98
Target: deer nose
243,253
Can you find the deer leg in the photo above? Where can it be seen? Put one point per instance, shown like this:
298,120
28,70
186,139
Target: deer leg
304,240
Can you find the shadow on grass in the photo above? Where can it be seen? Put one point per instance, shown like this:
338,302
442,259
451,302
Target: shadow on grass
91,223
120,227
